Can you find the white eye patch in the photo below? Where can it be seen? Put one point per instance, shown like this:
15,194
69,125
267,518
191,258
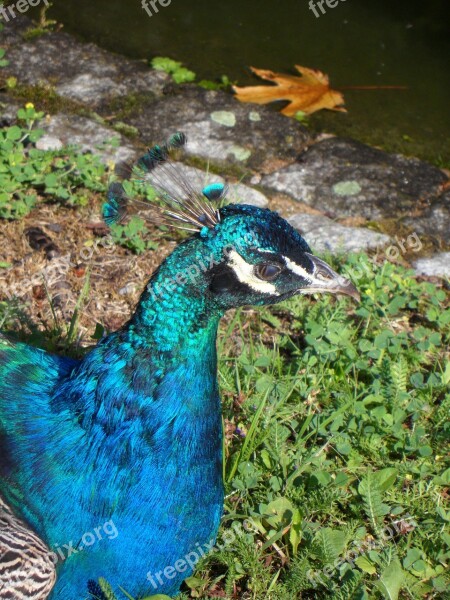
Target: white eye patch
297,269
244,272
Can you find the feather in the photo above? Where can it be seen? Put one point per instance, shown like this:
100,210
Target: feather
177,140
182,206
215,191
114,209
27,571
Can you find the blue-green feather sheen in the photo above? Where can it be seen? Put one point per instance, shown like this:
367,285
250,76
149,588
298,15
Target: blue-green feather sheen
132,433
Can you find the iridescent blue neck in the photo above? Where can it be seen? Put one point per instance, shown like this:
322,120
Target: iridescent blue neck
175,313
166,349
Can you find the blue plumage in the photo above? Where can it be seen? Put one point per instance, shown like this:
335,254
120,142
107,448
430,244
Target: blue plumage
115,208
215,191
131,435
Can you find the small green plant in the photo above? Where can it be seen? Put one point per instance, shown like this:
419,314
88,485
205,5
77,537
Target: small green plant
181,74
174,68
223,83
57,336
28,175
302,118
3,61
43,25
132,235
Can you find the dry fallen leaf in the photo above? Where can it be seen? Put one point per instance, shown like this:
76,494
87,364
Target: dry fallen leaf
308,93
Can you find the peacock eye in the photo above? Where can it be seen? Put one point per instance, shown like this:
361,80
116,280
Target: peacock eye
267,271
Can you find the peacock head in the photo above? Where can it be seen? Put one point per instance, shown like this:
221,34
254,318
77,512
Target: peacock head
262,259
238,254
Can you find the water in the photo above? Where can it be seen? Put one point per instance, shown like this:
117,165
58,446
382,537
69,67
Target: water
359,42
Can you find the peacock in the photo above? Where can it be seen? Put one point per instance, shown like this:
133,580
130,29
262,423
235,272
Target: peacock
111,466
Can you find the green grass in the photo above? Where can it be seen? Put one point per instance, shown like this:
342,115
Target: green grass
342,469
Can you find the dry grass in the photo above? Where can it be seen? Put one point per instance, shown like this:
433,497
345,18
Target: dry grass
117,276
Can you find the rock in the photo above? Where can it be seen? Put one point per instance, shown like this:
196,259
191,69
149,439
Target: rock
48,142
219,128
323,234
14,30
128,289
64,130
89,74
347,178
198,179
435,219
436,266
87,88
243,194
8,110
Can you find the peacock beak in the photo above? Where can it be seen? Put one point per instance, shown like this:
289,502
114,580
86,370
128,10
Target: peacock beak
324,279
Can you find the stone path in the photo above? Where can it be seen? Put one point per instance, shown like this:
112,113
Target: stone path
346,178
334,178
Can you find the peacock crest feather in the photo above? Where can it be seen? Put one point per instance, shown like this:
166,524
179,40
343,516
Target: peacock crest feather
181,205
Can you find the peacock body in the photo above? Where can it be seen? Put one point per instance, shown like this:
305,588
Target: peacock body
131,434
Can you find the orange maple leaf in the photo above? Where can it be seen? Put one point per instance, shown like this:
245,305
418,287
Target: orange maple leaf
308,93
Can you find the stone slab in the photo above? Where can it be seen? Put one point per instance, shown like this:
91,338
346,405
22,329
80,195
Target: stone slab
324,235
342,177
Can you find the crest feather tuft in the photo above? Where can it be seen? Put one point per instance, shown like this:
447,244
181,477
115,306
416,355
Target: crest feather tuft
181,205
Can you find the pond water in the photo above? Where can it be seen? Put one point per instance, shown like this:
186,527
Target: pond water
358,43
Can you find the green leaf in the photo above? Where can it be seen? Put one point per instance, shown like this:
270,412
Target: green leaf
3,62
445,516
106,589
412,555
194,582
162,63
386,478
323,478
371,489
99,332
446,374
280,512
183,75
35,135
425,451
295,533
14,133
365,565
265,457
443,479
329,544
391,580
179,73
51,180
